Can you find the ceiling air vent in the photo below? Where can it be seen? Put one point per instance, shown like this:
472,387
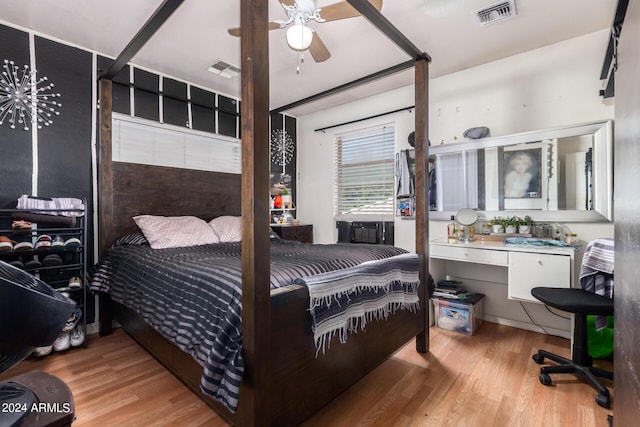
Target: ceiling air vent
496,12
224,69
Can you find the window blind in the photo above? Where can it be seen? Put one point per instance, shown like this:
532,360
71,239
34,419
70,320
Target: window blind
364,180
162,145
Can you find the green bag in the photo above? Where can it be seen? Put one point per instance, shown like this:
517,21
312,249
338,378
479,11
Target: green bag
600,342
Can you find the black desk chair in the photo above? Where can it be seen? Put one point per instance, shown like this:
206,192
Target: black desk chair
581,303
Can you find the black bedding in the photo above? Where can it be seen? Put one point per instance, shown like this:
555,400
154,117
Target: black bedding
192,295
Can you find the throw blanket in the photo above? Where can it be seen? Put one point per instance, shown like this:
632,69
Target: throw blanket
193,295
343,301
59,205
596,272
535,242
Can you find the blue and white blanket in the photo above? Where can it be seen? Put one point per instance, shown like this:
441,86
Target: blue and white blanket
344,301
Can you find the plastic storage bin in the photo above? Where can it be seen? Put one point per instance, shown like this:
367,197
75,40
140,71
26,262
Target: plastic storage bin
462,316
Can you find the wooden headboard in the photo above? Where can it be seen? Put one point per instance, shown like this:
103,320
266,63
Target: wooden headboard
158,190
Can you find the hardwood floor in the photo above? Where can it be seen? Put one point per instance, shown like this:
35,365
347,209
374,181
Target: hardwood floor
488,379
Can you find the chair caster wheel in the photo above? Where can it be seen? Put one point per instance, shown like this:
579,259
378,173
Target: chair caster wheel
603,401
545,379
538,359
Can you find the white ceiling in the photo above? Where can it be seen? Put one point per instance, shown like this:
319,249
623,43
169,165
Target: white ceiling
196,35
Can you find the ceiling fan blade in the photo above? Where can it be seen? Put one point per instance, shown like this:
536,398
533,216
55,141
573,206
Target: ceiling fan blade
318,50
236,30
288,2
344,10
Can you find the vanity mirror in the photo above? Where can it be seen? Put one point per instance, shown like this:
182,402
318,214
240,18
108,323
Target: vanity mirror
563,174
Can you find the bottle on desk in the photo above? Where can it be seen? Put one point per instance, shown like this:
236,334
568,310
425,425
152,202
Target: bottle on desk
452,230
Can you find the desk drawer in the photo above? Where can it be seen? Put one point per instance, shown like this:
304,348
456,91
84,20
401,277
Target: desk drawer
528,270
467,254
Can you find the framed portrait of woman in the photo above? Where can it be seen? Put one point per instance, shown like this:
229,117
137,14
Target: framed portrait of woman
522,173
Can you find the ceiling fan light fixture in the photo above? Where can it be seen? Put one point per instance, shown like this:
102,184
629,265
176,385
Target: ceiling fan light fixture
299,37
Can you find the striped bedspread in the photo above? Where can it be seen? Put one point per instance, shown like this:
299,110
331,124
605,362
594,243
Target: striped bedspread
193,296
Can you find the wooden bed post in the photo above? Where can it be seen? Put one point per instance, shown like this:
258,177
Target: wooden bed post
256,310
105,191
105,168
422,202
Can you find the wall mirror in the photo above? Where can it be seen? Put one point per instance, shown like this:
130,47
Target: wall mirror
563,174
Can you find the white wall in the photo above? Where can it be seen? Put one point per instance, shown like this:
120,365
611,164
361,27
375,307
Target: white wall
553,86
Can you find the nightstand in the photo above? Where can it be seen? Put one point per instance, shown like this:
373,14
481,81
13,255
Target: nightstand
301,232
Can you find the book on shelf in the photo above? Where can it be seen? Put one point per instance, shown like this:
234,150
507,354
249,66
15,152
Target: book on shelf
461,295
448,284
452,291
467,298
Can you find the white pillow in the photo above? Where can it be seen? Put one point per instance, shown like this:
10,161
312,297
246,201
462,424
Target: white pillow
175,231
228,228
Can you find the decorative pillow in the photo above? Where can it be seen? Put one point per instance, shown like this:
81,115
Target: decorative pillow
136,238
175,231
227,228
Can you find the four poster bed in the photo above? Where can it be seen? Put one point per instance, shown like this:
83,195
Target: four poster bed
287,373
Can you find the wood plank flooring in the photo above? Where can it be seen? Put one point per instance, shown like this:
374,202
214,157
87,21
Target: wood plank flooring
488,379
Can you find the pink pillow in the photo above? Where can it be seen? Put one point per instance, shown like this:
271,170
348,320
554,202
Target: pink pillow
175,231
227,228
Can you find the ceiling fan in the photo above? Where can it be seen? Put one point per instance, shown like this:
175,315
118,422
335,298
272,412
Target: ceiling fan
300,36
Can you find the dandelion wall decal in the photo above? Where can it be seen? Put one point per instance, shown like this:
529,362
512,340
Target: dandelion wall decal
26,99
282,147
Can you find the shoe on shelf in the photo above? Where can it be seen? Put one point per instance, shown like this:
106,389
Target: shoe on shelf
21,224
42,351
72,244
17,263
6,244
75,283
22,246
43,242
73,320
32,264
63,342
52,260
77,336
57,244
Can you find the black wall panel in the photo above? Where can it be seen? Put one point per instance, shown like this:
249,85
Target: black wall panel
290,126
203,115
121,93
203,119
174,102
227,116
227,124
146,98
15,144
121,98
228,105
277,123
64,147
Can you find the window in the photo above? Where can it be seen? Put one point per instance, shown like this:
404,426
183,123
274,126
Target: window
364,171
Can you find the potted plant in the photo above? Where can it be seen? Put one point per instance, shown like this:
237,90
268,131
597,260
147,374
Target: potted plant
498,224
525,225
286,198
511,225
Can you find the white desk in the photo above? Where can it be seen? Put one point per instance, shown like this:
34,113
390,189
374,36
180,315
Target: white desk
506,274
